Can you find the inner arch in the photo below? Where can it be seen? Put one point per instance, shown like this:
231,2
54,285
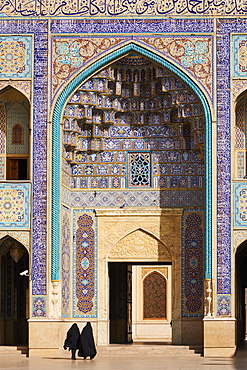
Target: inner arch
104,61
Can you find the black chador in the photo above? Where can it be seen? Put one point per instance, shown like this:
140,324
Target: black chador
72,340
86,343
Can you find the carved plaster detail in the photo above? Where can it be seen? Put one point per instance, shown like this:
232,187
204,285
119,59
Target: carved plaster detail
147,270
54,310
208,299
142,245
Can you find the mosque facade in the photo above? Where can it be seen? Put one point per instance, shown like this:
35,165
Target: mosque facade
122,172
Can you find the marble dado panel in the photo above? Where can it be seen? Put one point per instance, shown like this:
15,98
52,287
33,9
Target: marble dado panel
70,54
114,8
15,205
240,204
131,198
15,56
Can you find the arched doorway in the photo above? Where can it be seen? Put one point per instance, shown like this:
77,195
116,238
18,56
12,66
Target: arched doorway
14,134
56,142
14,260
134,123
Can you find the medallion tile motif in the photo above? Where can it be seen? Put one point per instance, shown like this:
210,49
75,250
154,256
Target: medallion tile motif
14,205
15,56
38,306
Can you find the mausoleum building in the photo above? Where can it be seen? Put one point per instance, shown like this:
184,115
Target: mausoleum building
123,172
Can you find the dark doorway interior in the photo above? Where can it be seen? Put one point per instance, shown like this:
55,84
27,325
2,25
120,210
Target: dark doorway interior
120,302
14,299
16,169
241,290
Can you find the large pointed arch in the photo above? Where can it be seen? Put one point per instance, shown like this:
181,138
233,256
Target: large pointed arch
56,149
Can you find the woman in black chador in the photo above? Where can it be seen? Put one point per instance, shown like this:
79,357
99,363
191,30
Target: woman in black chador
72,340
86,343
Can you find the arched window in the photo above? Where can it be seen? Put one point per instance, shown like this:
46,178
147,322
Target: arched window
154,296
17,134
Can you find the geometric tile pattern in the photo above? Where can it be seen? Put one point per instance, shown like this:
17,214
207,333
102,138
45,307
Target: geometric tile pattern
223,305
85,264
15,56
138,198
65,263
2,128
15,205
192,263
39,306
2,168
240,204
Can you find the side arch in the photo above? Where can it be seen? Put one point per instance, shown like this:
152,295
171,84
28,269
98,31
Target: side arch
56,155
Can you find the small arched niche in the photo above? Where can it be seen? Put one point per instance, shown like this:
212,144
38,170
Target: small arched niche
14,134
154,296
240,136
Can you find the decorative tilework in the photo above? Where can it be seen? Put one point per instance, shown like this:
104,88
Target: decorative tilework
15,56
192,53
133,198
2,128
223,305
238,86
38,28
107,59
39,306
240,164
224,28
133,25
14,205
85,265
192,263
240,55
121,9
240,204
2,168
65,262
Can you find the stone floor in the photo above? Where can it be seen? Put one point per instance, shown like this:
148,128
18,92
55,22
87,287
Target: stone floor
131,362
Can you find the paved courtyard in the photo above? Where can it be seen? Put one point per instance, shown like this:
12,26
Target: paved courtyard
128,362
